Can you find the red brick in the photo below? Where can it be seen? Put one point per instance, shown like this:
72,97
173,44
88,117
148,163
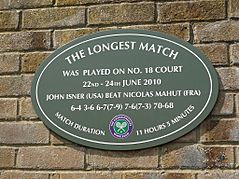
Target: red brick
51,157
23,133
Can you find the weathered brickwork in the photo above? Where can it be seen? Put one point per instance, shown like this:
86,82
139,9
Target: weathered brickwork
9,20
229,78
199,10
84,2
55,17
7,157
180,30
15,85
220,130
217,53
8,108
31,30
9,63
224,105
25,40
117,160
196,156
11,4
26,110
26,175
233,9
51,157
62,37
234,54
31,61
123,13
23,133
225,30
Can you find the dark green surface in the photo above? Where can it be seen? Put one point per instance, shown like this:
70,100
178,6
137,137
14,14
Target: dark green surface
196,74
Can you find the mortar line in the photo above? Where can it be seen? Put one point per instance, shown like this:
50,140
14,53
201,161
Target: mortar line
53,3
226,9
228,55
155,12
15,157
52,39
79,5
181,170
160,153
20,64
86,16
18,110
234,157
191,34
196,176
234,104
19,27
85,159
50,138
237,104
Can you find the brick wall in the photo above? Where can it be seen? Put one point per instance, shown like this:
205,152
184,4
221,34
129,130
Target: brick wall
30,30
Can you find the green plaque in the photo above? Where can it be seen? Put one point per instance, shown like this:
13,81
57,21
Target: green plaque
124,89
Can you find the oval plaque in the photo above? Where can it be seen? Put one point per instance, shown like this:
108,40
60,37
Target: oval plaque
124,89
